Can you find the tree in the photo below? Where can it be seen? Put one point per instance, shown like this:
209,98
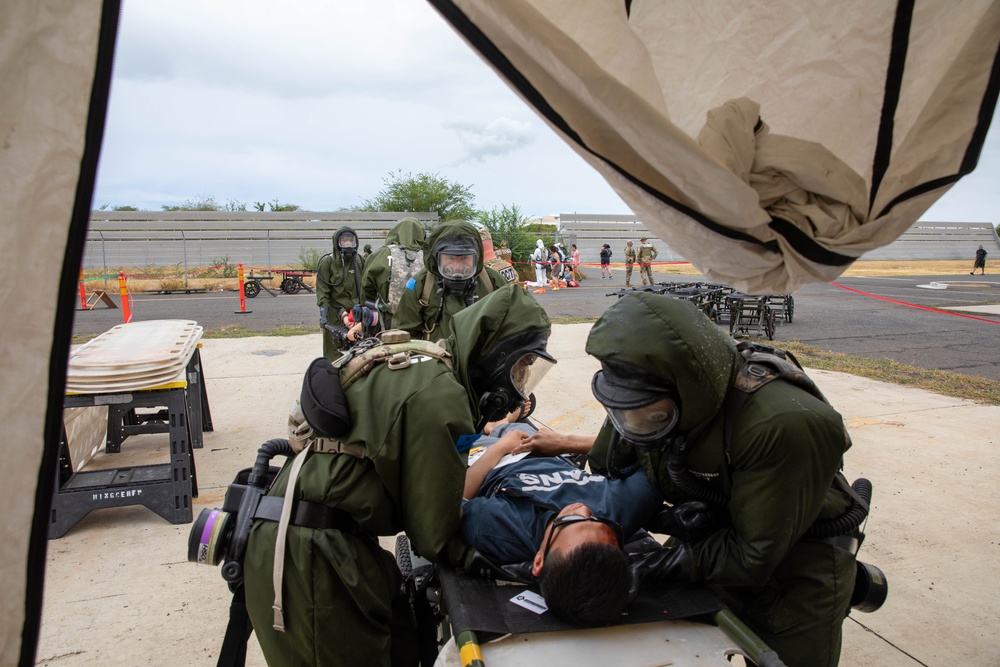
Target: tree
423,192
275,206
507,224
123,207
199,203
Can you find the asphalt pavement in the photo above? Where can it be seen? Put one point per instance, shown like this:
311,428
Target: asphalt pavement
899,318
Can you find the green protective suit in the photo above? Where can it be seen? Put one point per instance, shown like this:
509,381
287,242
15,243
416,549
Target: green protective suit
337,286
342,600
408,233
785,449
421,319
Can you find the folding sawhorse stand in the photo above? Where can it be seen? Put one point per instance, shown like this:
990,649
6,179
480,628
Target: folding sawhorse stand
165,488
123,420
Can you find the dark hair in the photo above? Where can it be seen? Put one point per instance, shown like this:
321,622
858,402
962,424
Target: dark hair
587,586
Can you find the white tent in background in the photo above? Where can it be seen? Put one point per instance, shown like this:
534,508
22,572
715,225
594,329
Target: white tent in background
869,110
771,142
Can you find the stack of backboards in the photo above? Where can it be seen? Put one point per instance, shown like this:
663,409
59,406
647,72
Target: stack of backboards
134,356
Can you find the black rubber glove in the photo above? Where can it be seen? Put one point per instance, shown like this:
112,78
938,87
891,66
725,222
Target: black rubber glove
667,567
339,333
481,565
690,521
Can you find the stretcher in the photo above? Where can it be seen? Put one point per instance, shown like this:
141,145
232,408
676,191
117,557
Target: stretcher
750,316
469,620
709,297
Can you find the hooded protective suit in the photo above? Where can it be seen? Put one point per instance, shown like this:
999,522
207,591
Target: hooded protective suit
785,449
407,236
427,313
539,256
342,601
338,285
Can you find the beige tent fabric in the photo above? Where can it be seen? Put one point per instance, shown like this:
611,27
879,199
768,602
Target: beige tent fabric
47,58
798,181
630,85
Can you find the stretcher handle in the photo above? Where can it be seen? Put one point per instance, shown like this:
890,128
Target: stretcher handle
747,639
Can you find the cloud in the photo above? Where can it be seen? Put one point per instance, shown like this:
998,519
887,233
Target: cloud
499,137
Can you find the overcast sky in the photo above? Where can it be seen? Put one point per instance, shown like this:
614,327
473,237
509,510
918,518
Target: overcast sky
315,102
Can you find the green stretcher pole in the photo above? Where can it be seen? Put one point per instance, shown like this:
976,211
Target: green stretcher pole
468,649
747,639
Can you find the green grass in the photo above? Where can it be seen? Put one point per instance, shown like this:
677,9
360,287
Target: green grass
240,331
569,319
980,390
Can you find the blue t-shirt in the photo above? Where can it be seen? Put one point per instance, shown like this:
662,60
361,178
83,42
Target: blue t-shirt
507,518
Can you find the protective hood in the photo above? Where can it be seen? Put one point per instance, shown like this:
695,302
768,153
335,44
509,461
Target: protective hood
478,329
408,233
672,340
450,228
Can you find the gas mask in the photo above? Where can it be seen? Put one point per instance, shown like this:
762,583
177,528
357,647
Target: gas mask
645,410
505,377
457,258
347,244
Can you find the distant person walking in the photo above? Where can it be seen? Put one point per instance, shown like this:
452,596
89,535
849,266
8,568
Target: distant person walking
629,263
575,263
980,262
647,253
605,261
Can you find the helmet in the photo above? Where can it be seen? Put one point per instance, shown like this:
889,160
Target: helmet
508,374
643,409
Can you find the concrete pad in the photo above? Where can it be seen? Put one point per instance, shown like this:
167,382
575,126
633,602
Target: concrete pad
119,589
987,310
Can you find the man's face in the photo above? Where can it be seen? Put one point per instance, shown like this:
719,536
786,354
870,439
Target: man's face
457,266
570,536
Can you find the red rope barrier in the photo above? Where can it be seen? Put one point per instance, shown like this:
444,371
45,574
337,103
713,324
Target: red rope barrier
913,305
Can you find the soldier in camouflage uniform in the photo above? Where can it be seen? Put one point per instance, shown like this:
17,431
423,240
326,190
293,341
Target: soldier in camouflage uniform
493,259
504,252
629,262
647,253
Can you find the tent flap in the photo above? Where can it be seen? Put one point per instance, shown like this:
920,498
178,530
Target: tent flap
870,111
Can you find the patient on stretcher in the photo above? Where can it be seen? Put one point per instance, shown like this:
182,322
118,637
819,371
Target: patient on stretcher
569,524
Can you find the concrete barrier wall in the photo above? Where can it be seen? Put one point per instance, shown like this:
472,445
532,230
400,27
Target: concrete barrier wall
264,240
923,241
195,238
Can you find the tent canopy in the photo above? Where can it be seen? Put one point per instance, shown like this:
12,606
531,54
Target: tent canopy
771,142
